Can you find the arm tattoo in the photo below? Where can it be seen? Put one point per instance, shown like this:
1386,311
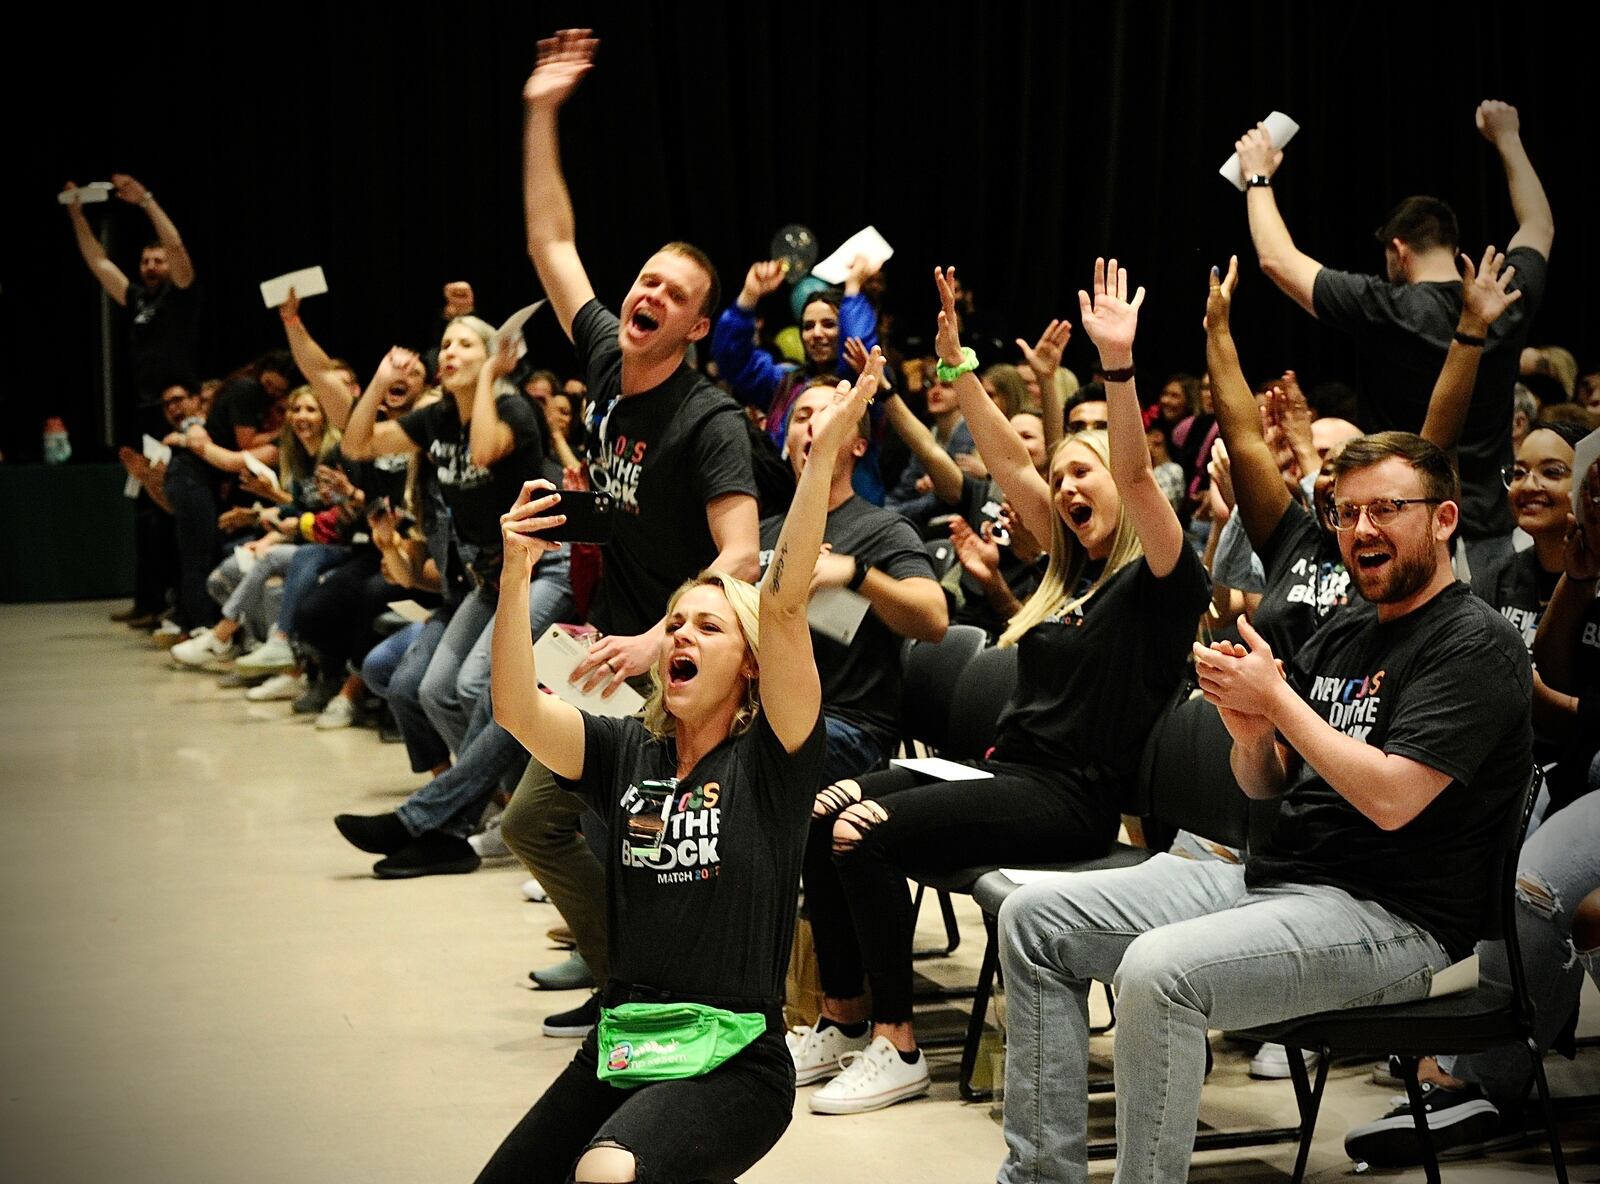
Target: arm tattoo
775,578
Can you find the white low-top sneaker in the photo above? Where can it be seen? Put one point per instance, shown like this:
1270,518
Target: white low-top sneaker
339,713
202,650
488,843
816,1051
872,1079
273,654
534,891
1272,1062
279,686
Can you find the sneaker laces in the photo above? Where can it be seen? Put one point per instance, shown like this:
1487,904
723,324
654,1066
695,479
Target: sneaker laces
861,1065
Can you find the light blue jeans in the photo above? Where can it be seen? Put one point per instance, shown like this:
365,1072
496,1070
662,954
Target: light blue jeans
243,594
1187,947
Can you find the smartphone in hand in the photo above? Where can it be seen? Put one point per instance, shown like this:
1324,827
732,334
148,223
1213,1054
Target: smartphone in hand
589,517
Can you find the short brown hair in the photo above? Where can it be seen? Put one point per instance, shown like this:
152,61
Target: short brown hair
708,306
1431,463
1422,223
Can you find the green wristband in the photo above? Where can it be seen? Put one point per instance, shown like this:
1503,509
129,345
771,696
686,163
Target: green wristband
969,363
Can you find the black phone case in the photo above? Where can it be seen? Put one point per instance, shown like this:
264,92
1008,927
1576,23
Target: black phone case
588,517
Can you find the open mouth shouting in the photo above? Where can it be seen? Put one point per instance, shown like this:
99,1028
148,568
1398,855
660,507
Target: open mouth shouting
1373,559
644,321
681,671
1080,514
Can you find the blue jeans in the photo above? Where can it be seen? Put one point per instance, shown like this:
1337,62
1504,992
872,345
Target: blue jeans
310,561
489,755
1558,867
243,594
1187,947
193,499
851,751
423,745
384,658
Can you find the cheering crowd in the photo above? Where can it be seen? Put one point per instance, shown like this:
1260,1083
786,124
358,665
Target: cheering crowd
1385,596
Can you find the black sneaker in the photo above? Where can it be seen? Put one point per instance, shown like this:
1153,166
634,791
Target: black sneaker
1461,1121
319,696
431,854
376,834
576,1022
388,730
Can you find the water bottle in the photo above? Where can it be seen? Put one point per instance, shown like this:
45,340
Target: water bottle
57,448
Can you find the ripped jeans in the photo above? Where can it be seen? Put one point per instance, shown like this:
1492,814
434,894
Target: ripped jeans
1558,867
1187,946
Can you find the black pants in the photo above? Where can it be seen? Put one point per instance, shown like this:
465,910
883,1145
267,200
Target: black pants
704,1130
857,896
192,493
155,555
334,618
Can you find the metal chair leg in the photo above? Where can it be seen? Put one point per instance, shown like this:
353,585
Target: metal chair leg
1308,1099
952,931
980,1012
1552,1135
1419,1118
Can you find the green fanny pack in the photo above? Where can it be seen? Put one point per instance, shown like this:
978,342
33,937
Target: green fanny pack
645,1042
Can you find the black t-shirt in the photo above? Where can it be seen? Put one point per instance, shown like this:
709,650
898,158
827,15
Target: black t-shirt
714,914
164,334
1518,588
477,496
1401,333
1306,581
239,403
663,454
1448,685
861,681
1089,687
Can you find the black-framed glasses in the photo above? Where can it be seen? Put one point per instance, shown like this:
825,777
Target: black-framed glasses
1380,511
1551,474
1090,425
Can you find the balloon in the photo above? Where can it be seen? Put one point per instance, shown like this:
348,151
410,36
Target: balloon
804,292
790,346
796,248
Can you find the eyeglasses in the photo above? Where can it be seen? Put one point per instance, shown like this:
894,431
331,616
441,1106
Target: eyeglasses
1089,425
1380,511
1551,474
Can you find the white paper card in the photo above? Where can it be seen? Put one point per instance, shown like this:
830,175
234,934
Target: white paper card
1280,127
260,469
940,769
156,452
246,560
837,613
131,487
410,610
835,269
1029,875
1456,979
514,324
1583,458
85,194
556,655
308,281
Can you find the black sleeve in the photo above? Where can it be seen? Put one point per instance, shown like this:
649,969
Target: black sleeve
787,780
606,749
722,457
1533,269
1347,301
422,424
1286,536
594,335
518,413
1185,585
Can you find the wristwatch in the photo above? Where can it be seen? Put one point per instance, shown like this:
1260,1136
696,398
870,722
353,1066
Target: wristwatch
1260,181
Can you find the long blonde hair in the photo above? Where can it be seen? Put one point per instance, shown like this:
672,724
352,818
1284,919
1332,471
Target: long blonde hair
1053,597
746,603
294,462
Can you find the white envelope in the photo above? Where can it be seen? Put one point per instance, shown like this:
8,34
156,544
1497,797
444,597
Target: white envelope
255,465
514,324
410,610
556,655
1282,130
246,560
1456,979
156,452
308,281
837,613
940,769
835,269
1029,875
1583,457
85,194
131,487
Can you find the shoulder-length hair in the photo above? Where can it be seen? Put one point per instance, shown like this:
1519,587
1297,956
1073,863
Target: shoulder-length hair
746,603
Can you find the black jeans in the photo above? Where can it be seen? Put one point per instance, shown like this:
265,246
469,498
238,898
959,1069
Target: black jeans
191,490
702,1130
335,615
155,555
857,897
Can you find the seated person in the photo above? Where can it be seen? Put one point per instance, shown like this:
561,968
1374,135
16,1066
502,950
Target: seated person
1406,744
1122,589
913,494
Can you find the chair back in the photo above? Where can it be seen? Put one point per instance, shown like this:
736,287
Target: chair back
1186,782
1503,916
929,672
981,694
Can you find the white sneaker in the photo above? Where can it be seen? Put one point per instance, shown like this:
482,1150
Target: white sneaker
1272,1062
872,1079
339,713
534,891
273,654
488,843
203,649
279,686
816,1052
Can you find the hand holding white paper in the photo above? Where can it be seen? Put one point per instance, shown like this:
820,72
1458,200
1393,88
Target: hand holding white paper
1280,127
835,269
252,463
1583,458
557,654
308,281
514,324
156,452
85,194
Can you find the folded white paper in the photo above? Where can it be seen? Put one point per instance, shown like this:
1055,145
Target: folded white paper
1029,875
308,281
410,610
1280,127
245,558
85,194
837,613
514,324
131,487
1583,458
260,469
940,769
556,655
835,269
1456,979
156,452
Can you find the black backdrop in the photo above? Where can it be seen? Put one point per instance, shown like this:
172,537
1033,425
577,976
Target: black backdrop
1016,141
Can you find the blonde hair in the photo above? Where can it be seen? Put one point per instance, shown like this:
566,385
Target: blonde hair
294,462
1053,597
745,601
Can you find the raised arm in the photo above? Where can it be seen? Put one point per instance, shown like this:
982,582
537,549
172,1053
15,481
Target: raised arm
1259,492
1044,359
111,277
489,437
941,468
752,373
364,436
791,693
1536,224
550,729
1002,450
332,393
179,265
552,233
1289,267
1111,320
1483,298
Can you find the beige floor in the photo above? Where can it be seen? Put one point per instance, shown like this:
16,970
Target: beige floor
201,982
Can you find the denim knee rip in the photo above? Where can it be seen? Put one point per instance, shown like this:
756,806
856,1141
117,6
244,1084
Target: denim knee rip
1535,894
